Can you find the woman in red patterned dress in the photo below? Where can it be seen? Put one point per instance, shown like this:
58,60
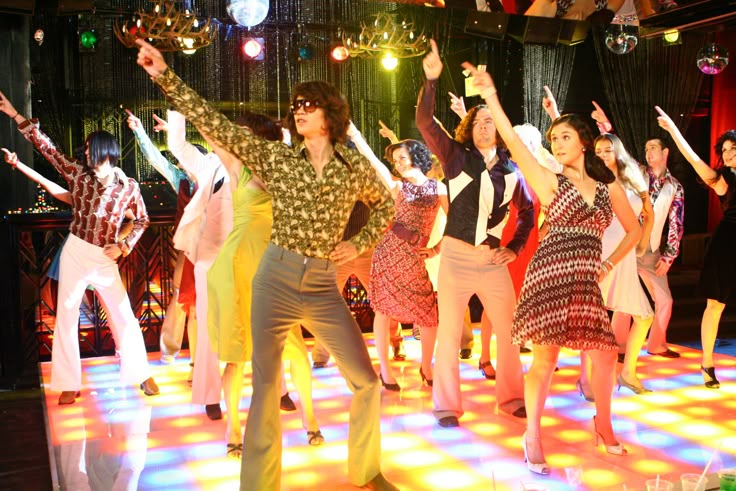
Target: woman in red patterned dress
400,287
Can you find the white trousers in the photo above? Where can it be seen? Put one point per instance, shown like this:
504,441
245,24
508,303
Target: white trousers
207,381
83,264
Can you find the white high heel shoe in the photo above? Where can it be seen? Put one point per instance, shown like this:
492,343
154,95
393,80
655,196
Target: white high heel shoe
617,449
542,468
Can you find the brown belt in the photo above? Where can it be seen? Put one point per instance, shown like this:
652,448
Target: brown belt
409,236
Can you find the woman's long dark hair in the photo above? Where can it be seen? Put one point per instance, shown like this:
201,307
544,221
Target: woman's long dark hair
594,166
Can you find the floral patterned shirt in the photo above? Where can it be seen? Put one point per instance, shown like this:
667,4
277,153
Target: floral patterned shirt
309,213
675,215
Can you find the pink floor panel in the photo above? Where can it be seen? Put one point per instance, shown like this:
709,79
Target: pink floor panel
114,437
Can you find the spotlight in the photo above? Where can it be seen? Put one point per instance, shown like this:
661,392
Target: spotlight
339,53
672,37
389,61
88,39
253,48
306,52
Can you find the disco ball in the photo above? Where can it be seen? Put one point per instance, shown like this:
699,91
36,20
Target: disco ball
712,59
248,13
622,38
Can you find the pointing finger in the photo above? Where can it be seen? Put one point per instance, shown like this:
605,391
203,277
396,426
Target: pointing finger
548,93
597,107
435,49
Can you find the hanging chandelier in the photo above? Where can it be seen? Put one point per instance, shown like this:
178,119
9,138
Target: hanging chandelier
166,28
387,33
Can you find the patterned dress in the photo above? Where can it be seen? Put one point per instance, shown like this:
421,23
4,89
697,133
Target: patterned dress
400,286
561,303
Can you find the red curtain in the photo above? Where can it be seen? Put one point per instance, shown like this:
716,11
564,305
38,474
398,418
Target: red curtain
722,115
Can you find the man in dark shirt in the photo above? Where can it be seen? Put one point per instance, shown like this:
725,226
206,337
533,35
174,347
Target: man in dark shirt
482,182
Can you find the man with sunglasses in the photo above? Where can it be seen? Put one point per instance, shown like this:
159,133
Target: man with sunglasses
313,186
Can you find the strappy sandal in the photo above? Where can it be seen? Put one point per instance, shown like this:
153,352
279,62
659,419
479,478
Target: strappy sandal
315,438
235,450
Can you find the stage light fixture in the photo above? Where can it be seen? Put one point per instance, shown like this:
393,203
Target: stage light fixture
88,39
253,48
306,52
672,37
389,62
339,53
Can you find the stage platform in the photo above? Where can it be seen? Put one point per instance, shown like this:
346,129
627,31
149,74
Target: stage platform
114,437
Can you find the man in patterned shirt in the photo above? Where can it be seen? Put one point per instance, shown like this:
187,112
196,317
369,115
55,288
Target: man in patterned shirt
101,194
313,187
668,200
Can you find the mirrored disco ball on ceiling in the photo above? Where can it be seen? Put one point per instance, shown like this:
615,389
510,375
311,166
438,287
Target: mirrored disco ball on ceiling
248,13
712,59
622,38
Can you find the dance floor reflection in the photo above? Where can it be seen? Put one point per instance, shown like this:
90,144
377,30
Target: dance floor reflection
116,438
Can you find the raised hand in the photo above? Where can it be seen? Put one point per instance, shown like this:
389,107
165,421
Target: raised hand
482,81
432,63
133,122
598,114
6,106
549,104
457,104
10,157
161,124
150,59
665,121
387,132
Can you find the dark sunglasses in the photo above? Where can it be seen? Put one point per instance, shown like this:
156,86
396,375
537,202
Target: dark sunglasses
309,106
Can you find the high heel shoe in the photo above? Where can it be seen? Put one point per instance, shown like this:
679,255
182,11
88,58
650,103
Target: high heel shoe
482,367
392,387
633,388
541,468
709,376
585,396
425,379
617,449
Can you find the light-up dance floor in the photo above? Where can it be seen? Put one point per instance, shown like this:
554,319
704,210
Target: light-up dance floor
116,438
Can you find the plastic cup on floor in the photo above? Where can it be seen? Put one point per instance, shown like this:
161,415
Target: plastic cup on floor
533,486
727,479
659,485
692,482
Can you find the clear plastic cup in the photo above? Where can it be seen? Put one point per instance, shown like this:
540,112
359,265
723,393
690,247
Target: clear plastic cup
727,479
533,486
659,485
692,482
